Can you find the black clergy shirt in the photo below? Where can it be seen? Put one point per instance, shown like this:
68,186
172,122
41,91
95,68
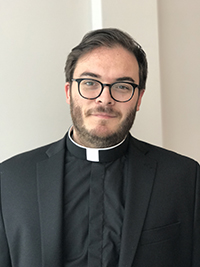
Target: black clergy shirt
94,202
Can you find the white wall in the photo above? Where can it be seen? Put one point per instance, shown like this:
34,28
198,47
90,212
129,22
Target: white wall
179,32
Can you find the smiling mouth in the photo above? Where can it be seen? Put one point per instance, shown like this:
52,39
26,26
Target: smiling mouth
104,115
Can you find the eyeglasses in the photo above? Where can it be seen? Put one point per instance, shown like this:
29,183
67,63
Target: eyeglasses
92,89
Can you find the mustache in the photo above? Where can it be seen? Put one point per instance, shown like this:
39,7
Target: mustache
107,110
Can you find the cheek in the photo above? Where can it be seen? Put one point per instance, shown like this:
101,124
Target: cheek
76,107
77,112
128,108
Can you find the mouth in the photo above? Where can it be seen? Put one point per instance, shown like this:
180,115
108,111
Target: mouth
103,113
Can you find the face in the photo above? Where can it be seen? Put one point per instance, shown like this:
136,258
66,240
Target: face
103,122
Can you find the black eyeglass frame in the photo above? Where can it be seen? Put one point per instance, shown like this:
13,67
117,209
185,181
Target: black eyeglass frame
79,80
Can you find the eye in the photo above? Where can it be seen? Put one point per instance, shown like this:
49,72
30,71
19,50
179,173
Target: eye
90,84
122,86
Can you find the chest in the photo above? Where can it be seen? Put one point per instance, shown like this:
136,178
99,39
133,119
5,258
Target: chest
94,201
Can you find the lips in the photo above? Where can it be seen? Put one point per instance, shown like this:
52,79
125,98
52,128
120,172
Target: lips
104,115
103,112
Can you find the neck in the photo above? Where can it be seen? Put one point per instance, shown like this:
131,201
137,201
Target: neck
93,141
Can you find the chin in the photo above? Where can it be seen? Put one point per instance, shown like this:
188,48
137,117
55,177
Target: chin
102,131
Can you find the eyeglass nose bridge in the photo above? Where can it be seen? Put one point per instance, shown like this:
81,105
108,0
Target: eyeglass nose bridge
103,85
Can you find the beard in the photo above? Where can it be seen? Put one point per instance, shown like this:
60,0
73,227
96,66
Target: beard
92,138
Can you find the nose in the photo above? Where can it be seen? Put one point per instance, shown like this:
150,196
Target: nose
105,97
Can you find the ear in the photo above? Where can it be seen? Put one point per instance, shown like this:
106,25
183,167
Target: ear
141,93
67,92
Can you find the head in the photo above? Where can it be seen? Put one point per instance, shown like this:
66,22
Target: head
109,56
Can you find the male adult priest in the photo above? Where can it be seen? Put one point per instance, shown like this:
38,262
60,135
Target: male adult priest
99,197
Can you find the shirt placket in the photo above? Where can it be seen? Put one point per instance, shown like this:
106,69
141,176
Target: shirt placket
96,215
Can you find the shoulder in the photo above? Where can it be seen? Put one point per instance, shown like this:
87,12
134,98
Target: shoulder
30,157
161,155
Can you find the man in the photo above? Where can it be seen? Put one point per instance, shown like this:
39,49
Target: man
99,197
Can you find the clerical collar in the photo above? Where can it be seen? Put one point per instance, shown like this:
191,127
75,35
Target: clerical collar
96,154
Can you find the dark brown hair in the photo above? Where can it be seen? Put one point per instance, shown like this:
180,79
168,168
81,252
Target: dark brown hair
108,37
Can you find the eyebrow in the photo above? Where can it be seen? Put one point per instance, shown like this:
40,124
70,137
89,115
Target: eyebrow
91,74
126,78
120,79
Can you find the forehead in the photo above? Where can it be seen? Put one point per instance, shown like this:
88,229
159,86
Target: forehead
108,62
